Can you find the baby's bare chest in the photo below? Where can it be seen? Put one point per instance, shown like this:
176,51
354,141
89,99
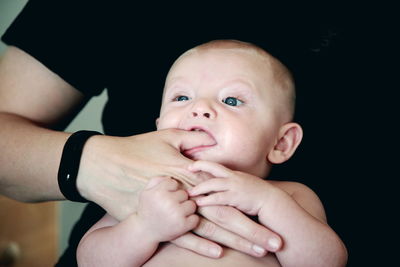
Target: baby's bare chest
171,255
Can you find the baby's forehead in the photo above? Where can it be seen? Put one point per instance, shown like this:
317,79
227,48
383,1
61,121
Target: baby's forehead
226,52
213,62
237,59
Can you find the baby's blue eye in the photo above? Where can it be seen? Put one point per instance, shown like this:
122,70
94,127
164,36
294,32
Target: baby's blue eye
181,98
232,101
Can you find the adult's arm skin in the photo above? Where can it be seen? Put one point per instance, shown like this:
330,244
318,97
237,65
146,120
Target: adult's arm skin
33,102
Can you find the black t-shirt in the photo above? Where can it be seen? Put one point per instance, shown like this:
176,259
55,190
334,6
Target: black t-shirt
129,49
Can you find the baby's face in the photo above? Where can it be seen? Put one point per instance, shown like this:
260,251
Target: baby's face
231,96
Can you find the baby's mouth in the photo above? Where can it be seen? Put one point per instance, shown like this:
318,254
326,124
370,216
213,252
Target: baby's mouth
202,129
191,151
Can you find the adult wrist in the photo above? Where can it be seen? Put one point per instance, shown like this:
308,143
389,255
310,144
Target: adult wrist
69,165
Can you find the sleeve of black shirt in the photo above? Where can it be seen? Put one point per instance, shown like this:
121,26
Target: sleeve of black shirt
66,37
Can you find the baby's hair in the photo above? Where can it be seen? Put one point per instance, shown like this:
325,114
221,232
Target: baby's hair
281,73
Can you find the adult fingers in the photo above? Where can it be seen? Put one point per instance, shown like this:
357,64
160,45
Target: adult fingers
236,222
199,245
184,140
214,232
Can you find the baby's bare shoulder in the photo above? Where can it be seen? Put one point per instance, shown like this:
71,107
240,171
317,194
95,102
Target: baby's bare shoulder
292,187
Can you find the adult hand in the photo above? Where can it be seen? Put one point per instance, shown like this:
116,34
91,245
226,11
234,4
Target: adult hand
114,170
231,228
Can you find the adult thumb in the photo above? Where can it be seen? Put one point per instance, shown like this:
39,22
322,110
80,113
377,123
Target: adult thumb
185,140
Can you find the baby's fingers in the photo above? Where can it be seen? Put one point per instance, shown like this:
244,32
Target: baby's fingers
215,169
208,186
188,207
192,221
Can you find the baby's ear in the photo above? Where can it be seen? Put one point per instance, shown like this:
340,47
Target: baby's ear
289,138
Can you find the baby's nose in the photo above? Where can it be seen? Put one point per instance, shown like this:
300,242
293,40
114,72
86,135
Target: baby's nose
203,108
204,114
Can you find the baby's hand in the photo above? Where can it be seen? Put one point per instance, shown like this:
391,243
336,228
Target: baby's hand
240,190
165,210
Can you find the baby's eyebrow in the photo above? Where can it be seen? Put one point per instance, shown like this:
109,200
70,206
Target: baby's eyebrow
175,87
239,81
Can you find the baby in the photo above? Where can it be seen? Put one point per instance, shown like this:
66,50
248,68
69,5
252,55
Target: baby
243,98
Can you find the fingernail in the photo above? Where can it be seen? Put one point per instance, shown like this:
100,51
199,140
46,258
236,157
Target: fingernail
215,252
191,192
259,250
199,201
274,243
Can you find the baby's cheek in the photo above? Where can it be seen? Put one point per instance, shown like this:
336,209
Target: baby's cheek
167,121
236,143
245,148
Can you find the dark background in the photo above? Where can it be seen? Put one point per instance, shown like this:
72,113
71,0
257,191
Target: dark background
347,107
344,63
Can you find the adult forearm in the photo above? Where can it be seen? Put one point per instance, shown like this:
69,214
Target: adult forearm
29,159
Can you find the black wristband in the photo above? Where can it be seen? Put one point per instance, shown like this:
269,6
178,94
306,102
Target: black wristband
69,165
